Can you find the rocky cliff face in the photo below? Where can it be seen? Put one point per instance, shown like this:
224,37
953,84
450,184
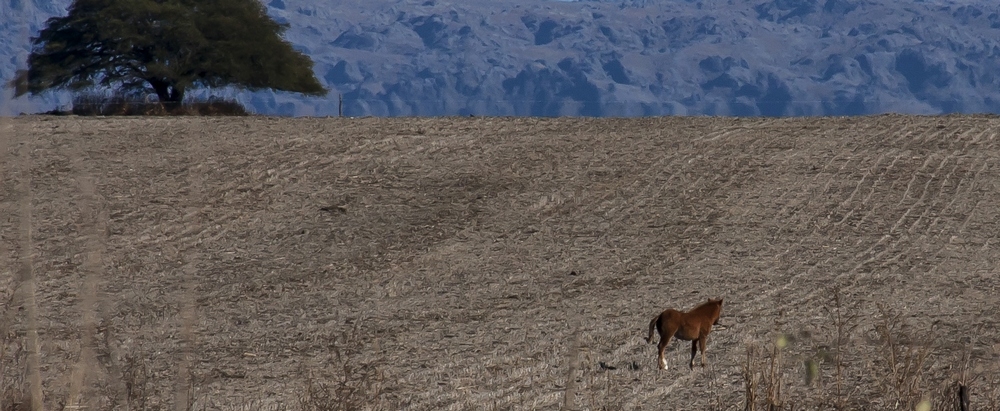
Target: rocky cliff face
627,58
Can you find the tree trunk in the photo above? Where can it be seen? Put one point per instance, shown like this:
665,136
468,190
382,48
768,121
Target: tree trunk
176,95
170,95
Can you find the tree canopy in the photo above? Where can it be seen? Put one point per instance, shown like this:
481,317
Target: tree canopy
168,46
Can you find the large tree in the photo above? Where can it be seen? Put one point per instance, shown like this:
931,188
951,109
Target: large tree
167,46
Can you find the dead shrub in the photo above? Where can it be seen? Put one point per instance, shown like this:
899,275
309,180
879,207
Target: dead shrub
103,104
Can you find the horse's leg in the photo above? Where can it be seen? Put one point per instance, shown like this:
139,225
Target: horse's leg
665,333
702,339
694,352
664,339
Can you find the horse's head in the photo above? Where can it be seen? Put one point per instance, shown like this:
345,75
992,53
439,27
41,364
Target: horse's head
718,312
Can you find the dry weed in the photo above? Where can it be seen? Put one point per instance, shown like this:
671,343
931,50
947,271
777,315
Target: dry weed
763,376
353,382
845,321
14,394
902,365
750,370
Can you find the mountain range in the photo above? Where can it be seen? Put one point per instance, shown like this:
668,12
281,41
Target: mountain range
612,58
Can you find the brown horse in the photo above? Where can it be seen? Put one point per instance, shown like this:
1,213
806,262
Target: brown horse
691,326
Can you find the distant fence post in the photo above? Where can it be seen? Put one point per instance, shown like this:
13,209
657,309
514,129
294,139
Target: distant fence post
340,105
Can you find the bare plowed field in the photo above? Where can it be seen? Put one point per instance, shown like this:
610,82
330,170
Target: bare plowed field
497,263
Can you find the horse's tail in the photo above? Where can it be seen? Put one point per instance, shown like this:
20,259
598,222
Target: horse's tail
652,329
